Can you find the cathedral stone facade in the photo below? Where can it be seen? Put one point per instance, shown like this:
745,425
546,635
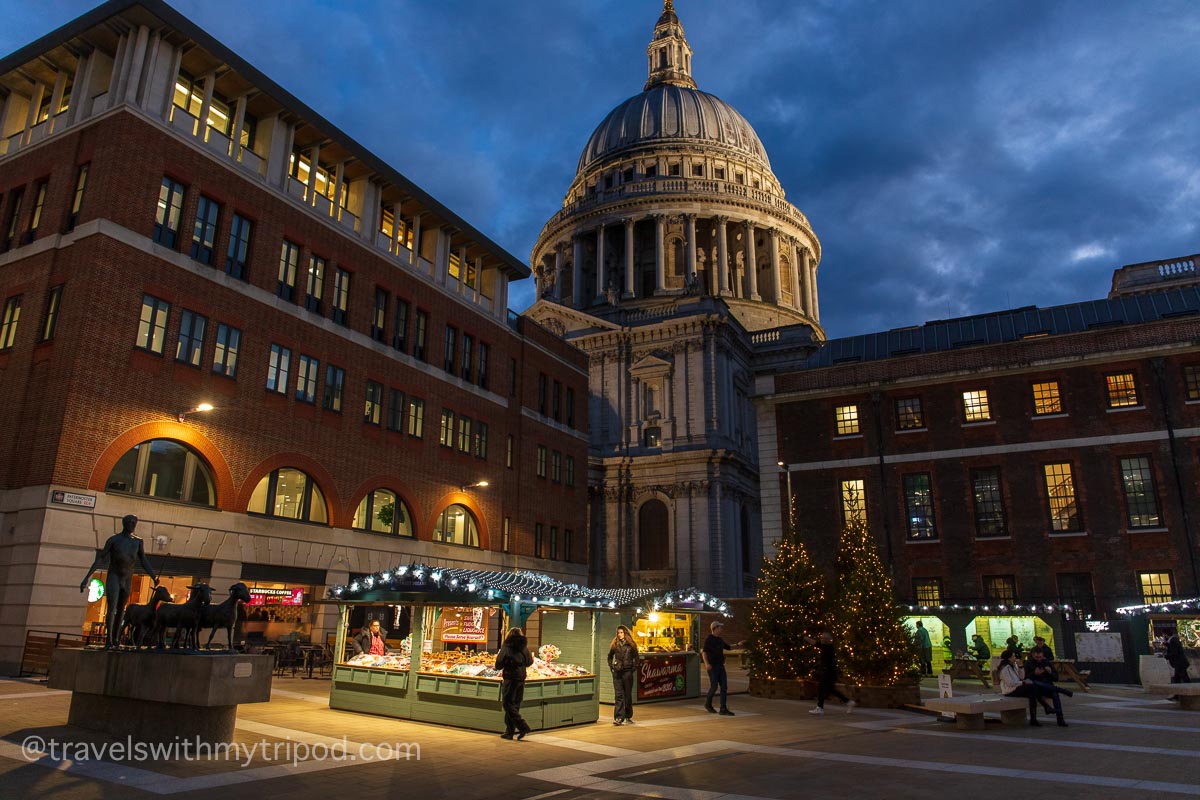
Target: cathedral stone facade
674,256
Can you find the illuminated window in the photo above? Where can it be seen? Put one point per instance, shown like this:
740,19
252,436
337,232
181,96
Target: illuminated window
541,461
1046,398
191,338
1191,381
1141,501
39,203
289,259
152,327
278,367
918,500
975,406
14,216
379,320
164,469
506,536
335,384
854,501
50,318
1000,588
373,408
927,591
12,315
464,434
847,420
382,512
446,431
908,414
989,503
225,355
204,232
77,200
289,493
314,285
1122,390
1156,587
480,445
308,368
341,296
508,452
1060,493
170,207
416,417
457,525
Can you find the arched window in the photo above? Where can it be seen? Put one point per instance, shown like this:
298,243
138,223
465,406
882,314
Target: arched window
456,525
164,469
382,512
747,553
289,494
653,536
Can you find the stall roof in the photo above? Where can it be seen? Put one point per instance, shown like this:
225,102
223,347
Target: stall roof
1165,607
993,608
473,585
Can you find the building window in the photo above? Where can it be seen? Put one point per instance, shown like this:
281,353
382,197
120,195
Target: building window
652,169
152,327
77,200
277,369
225,356
542,394
446,432
335,385
39,203
571,408
164,469
541,461
8,323
422,327
918,500
653,437
1000,588
508,452
927,591
1141,500
553,541
847,420
468,346
654,536
479,449
482,367
204,232
14,216
908,414
1191,381
570,479
50,320
289,493
1156,587
556,402
396,411
975,406
456,525
314,285
464,434
170,207
400,329
1122,390
416,417
1060,493
1046,398
506,536
306,379
239,247
341,296
537,539
191,337
854,501
382,512
568,536
1075,590
989,503
289,259
379,319
556,466
512,377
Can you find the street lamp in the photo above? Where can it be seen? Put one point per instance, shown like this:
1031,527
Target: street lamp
476,484
182,415
788,474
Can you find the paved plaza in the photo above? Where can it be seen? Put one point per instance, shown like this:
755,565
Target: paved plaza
1120,742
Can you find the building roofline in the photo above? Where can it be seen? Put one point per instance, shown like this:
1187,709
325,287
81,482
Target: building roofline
176,20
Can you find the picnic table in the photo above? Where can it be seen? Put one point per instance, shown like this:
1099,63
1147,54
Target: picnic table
968,667
1067,671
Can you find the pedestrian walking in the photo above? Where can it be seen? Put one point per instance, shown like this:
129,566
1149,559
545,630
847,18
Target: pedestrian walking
622,661
924,649
511,662
828,675
713,655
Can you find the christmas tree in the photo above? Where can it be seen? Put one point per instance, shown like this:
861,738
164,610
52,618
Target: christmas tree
789,605
874,646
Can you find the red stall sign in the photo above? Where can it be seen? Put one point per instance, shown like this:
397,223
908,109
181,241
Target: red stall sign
662,676
276,597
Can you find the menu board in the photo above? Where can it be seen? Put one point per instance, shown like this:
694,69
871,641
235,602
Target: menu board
662,676
465,625
1099,648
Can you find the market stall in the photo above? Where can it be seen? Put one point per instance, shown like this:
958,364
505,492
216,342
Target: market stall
442,671
1150,624
668,638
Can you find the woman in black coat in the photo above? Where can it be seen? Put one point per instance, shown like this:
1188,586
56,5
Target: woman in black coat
512,660
622,660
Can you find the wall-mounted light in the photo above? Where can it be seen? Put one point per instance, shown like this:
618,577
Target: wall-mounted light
476,485
182,415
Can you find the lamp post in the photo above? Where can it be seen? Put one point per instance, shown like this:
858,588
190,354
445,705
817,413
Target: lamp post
788,475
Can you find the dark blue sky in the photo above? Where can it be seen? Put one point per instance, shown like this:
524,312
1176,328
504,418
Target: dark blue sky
953,157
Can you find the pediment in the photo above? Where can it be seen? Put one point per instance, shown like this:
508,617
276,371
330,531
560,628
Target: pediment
565,321
652,364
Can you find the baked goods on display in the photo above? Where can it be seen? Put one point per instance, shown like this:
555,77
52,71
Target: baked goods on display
395,661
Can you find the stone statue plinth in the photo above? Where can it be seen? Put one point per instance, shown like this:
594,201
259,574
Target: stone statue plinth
160,696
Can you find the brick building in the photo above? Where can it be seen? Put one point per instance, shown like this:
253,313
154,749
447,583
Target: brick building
1037,455
178,230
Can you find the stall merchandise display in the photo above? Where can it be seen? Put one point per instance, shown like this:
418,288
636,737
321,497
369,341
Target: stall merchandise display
400,663
469,665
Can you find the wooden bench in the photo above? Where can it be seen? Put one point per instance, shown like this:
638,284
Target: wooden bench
969,710
1188,693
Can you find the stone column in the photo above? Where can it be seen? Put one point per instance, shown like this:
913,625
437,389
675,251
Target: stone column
577,274
773,238
60,85
416,241
806,281
751,263
239,122
558,272
601,278
723,255
210,83
630,290
816,303
310,187
795,276
691,246
660,256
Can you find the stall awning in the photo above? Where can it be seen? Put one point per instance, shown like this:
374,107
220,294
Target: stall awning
471,585
1164,607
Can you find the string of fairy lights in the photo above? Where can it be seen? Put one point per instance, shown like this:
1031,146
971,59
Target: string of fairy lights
1165,606
522,587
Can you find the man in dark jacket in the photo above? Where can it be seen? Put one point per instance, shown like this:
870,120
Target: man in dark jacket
371,639
511,662
1173,653
828,674
1043,674
1040,646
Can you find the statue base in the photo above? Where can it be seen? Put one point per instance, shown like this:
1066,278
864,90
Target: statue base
153,696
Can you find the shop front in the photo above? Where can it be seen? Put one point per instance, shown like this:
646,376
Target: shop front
668,652
176,574
1151,625
283,604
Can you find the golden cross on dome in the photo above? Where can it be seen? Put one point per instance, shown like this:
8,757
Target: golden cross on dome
668,5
